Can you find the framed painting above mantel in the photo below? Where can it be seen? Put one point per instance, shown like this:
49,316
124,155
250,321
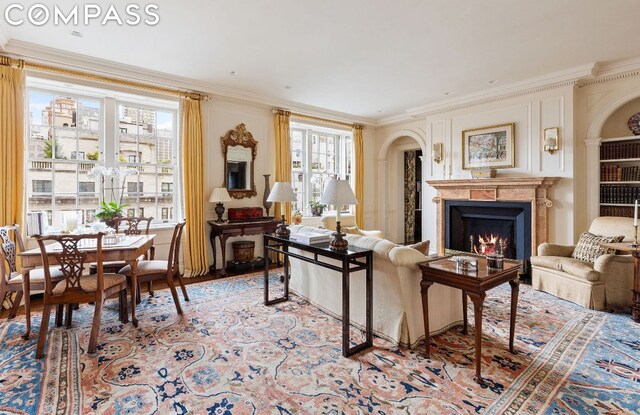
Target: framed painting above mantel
490,147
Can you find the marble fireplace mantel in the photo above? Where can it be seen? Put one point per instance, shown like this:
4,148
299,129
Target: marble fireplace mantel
503,189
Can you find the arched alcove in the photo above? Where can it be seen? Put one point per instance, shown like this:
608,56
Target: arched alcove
391,213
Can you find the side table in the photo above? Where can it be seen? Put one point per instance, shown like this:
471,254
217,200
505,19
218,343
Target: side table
473,283
226,230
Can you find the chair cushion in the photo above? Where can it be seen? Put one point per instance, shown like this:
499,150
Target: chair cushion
589,246
147,268
89,283
575,267
37,275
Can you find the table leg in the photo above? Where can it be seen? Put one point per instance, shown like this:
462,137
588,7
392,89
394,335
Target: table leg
223,252
134,291
346,315
424,288
286,273
265,252
478,301
635,306
26,289
515,286
369,311
212,239
464,312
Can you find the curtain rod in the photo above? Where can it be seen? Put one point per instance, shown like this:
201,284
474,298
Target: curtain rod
19,63
327,120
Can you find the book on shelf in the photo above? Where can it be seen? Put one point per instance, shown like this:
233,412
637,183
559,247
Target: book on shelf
311,238
620,150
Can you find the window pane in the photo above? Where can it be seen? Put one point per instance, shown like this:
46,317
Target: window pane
90,116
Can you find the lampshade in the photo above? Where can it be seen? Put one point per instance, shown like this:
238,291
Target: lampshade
219,195
281,192
338,192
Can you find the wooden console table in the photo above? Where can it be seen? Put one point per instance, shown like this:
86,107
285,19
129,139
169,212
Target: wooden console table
226,230
351,261
475,284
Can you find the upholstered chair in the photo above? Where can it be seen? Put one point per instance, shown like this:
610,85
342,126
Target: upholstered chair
602,284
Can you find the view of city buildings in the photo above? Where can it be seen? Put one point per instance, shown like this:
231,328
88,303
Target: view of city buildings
67,138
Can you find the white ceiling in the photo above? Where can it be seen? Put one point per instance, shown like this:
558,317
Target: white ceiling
367,58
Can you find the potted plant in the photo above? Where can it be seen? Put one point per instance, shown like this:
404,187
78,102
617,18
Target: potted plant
108,211
316,208
296,219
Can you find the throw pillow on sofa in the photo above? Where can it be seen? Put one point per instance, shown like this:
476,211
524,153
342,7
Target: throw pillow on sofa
589,246
423,247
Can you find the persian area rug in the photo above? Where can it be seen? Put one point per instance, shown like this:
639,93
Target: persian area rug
230,354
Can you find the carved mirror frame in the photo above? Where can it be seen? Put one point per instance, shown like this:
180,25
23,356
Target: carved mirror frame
240,137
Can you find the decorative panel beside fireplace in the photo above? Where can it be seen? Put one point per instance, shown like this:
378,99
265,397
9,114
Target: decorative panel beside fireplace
489,227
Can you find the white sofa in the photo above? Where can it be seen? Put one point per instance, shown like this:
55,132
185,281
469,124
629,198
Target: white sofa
348,225
397,302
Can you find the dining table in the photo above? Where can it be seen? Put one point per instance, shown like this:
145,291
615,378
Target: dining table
127,249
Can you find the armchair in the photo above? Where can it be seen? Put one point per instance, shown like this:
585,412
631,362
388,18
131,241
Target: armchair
348,223
604,284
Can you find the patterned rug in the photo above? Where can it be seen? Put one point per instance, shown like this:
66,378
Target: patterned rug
229,354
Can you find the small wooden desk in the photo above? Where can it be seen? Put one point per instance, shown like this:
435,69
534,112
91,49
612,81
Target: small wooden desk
130,254
633,250
474,284
226,230
351,261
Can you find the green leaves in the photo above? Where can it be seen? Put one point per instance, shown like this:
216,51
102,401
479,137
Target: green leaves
109,210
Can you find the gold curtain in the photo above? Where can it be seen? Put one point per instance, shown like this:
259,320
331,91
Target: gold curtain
193,167
358,144
12,91
283,157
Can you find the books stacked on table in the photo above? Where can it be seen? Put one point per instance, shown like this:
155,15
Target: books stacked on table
311,238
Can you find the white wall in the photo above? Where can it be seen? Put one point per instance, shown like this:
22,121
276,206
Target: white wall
220,116
531,113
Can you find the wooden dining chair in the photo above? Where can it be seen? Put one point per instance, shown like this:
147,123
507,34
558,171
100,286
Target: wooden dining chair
129,226
76,287
169,270
12,280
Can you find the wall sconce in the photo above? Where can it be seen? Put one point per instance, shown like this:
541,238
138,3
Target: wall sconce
551,140
436,153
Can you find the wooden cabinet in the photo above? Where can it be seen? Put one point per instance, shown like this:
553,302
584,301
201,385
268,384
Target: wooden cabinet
619,175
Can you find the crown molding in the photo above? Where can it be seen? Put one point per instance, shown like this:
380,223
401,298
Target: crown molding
612,71
552,80
52,56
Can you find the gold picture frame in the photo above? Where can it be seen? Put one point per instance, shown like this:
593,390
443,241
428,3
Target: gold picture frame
490,147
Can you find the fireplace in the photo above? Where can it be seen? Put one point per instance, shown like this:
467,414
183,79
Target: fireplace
488,227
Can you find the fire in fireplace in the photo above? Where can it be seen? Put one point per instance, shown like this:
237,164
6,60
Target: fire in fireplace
491,244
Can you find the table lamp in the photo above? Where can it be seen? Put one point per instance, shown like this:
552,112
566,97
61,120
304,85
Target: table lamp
282,192
338,193
218,196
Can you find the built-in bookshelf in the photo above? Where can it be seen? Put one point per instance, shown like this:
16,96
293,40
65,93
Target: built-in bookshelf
619,175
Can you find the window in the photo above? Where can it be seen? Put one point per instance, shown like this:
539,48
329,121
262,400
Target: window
41,186
134,187
69,134
167,214
317,154
86,187
167,187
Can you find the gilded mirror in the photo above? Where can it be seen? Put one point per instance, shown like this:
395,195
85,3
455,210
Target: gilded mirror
239,151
